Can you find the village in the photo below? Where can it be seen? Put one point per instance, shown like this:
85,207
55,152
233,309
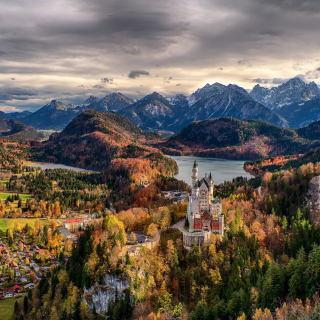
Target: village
23,262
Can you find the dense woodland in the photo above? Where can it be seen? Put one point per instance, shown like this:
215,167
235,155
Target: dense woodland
265,267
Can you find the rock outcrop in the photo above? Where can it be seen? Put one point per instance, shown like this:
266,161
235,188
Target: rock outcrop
101,295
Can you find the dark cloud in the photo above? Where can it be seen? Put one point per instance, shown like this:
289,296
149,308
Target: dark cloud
270,81
13,78
178,84
132,50
137,73
7,94
309,6
107,80
72,42
245,63
98,86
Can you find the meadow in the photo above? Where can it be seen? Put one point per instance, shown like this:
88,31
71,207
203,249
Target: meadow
8,223
4,195
7,308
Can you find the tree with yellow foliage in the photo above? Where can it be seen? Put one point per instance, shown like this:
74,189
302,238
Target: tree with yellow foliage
262,315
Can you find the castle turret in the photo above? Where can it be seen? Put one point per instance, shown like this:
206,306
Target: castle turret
194,177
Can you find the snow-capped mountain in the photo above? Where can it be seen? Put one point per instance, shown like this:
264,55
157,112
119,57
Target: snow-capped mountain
293,91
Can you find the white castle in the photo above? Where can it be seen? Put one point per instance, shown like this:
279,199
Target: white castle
204,212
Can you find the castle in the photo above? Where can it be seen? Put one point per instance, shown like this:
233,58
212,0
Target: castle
204,212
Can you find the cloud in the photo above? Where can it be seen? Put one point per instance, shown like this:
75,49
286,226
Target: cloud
98,86
270,81
16,93
178,84
87,40
132,50
245,63
107,80
260,81
13,78
137,73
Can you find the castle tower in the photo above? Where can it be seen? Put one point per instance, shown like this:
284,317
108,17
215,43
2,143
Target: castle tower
221,224
194,177
211,186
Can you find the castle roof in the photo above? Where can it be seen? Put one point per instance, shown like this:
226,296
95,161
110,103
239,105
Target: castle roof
195,165
206,181
216,200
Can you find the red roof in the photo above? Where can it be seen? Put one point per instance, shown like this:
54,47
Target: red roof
73,220
16,287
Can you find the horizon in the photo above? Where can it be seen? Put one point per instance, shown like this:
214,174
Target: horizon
80,101
73,49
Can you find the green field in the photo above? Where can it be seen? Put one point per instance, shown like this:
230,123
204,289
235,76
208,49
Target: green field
4,195
9,223
7,306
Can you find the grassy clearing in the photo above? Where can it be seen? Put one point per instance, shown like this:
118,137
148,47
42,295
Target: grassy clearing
7,307
4,195
9,223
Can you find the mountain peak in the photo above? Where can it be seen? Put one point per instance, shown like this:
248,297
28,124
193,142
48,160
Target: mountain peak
294,90
90,100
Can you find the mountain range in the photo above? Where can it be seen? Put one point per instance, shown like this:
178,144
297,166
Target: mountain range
292,104
293,91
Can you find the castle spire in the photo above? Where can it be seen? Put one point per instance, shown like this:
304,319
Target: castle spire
195,165
210,176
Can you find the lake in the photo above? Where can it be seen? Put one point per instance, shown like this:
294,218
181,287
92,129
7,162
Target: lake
221,169
45,166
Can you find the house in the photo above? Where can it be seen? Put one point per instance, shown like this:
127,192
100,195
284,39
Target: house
8,292
73,224
29,286
140,236
16,288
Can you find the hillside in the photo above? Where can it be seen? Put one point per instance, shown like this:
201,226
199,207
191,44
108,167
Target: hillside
16,130
301,113
98,140
235,139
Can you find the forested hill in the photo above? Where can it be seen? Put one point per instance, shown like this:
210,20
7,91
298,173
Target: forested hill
15,130
240,139
94,140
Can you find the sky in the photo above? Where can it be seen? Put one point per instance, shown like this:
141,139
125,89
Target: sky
71,49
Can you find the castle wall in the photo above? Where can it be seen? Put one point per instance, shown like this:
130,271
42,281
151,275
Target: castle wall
190,239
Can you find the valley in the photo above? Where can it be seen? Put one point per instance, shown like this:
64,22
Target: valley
128,223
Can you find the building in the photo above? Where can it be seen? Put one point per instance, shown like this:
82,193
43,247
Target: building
67,235
204,212
73,224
